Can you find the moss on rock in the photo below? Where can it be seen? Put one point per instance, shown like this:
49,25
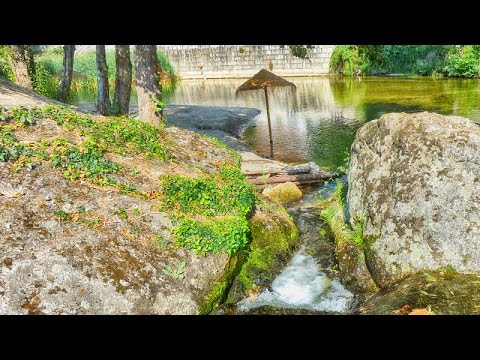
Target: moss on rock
437,292
274,238
349,246
284,193
219,290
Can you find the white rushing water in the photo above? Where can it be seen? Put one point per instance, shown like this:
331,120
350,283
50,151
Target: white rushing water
302,285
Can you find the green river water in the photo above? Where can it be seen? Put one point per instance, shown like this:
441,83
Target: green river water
318,121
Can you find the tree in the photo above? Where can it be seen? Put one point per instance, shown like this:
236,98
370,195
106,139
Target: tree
103,100
23,65
148,85
300,51
123,79
66,81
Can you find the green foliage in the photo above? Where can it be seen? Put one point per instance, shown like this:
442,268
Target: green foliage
22,155
25,116
332,212
166,65
10,148
349,60
356,234
127,189
210,212
68,118
44,82
121,135
21,115
450,270
122,213
63,216
159,104
341,193
409,59
448,60
227,233
300,51
226,193
463,61
6,69
50,64
3,114
343,168
176,273
129,136
84,161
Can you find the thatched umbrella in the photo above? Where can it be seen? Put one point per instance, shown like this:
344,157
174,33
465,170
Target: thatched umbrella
262,80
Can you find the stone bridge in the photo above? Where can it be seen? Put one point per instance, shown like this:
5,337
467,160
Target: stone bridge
236,61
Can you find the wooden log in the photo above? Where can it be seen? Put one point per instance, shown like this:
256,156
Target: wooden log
300,184
284,178
300,169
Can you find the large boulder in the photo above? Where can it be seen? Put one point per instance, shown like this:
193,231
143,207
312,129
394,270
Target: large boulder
414,183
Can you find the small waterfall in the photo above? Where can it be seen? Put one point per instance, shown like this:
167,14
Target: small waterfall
302,285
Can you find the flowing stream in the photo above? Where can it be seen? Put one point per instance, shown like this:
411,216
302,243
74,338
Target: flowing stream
309,281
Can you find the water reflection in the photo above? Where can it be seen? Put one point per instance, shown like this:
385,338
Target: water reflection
319,120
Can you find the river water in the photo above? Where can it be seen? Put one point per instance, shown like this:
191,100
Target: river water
318,121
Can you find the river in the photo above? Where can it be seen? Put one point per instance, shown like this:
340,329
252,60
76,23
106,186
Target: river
318,121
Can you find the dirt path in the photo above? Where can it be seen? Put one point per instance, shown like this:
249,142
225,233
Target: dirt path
14,95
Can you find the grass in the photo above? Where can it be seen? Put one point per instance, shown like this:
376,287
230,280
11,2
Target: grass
49,64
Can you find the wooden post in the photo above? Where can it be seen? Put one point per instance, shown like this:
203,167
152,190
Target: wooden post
268,117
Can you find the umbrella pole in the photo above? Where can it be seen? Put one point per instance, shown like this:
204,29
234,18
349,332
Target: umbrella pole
268,116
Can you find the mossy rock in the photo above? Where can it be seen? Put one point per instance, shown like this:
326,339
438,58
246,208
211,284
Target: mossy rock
431,292
284,193
219,289
349,248
274,238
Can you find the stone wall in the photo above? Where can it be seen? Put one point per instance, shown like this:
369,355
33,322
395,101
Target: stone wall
236,61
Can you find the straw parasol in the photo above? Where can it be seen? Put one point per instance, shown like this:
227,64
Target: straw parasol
262,80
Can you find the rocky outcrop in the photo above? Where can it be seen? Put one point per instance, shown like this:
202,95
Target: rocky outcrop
101,264
72,246
428,293
414,185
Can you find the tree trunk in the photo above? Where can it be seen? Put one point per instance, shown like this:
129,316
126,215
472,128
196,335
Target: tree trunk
23,65
103,101
123,79
65,83
148,85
